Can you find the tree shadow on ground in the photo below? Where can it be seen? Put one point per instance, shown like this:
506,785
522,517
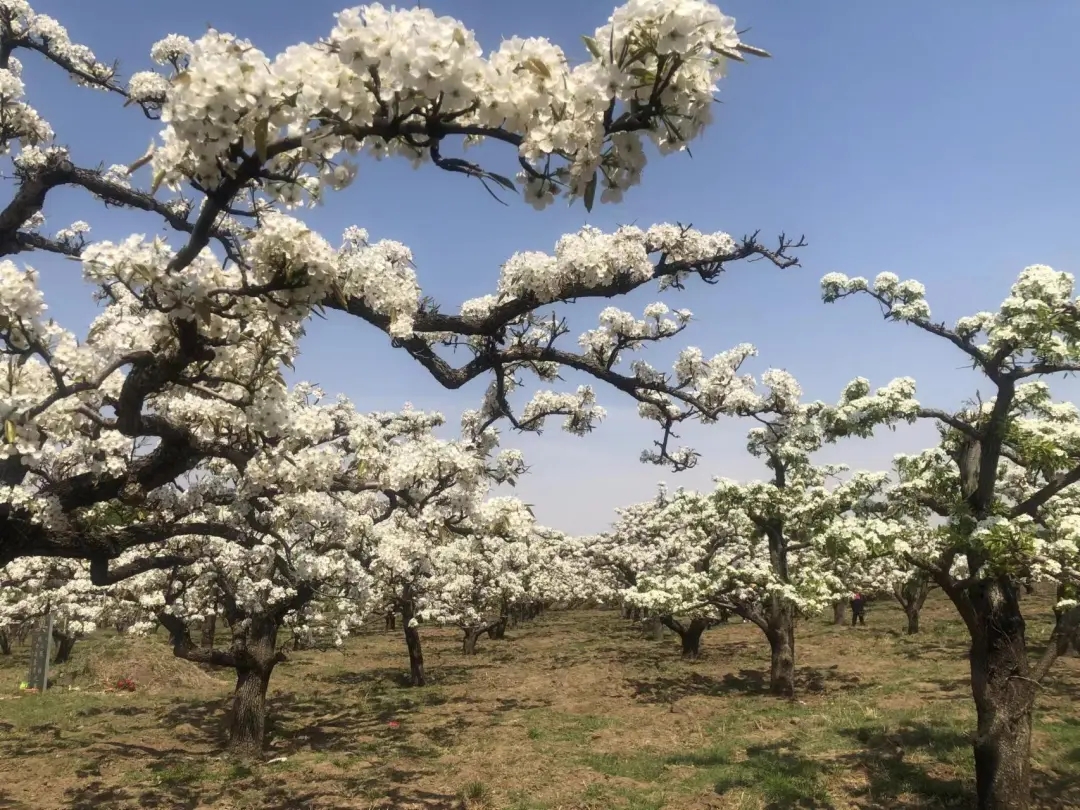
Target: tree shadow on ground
379,750
787,778
784,777
379,787
897,782
808,680
395,677
935,649
1055,790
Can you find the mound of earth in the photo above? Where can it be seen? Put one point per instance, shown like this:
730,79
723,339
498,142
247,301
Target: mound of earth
148,662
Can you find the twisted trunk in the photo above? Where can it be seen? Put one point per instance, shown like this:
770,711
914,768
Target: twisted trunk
689,635
468,645
5,643
497,631
412,642
840,612
64,645
912,596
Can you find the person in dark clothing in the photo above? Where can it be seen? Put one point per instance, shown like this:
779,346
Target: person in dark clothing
858,607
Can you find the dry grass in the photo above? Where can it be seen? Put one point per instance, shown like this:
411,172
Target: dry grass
575,711
150,664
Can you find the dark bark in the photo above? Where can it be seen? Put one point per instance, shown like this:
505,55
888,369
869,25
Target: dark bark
468,644
255,658
781,635
912,622
1004,694
691,639
412,642
840,611
912,596
5,643
209,630
391,621
689,634
656,628
497,631
64,645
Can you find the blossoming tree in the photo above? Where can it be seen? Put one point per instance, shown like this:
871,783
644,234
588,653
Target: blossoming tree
193,332
33,587
763,550
305,512
1004,482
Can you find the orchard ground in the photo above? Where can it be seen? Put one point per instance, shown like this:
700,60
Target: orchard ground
575,710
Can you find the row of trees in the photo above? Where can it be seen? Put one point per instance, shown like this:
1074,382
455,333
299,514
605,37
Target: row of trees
164,456
359,515
988,511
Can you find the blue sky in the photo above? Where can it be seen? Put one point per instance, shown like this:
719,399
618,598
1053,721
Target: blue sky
934,140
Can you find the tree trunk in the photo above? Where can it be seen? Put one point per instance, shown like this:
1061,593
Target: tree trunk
912,621
247,724
468,645
691,639
839,612
1073,643
5,643
912,596
209,630
656,629
391,621
497,631
64,645
412,642
1004,696
255,663
781,635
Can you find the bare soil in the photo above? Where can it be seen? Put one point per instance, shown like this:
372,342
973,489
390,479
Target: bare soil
577,710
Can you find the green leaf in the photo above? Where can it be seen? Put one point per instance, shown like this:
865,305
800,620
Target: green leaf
590,191
538,67
148,155
156,184
505,182
593,47
262,137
